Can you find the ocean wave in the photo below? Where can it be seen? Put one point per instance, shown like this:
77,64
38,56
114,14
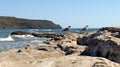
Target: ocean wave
23,36
9,38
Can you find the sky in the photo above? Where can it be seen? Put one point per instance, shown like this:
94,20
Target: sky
76,13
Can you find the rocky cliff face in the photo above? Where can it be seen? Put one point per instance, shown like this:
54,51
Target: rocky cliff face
13,22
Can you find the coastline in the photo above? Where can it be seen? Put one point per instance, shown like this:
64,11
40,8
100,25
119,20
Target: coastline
66,50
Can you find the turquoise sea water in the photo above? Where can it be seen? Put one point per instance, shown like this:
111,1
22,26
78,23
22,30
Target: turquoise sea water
8,41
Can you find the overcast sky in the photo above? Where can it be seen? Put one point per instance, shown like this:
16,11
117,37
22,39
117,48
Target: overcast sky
76,13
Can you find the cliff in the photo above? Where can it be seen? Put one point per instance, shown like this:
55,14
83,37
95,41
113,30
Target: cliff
13,22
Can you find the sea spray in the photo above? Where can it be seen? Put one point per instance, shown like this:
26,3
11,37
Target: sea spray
9,38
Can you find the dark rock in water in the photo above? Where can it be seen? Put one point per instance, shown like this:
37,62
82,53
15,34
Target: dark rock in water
54,36
21,33
13,22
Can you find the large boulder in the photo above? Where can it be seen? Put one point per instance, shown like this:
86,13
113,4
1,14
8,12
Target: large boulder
103,45
85,39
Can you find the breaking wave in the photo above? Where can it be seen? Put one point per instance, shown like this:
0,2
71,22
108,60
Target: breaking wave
23,36
9,38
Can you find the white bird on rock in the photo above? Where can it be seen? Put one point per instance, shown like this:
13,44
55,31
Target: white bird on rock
67,29
84,29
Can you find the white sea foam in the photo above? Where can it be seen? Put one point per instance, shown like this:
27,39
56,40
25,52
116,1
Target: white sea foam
23,36
9,38
46,30
34,29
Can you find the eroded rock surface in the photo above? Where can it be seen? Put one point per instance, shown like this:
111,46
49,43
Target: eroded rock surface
102,44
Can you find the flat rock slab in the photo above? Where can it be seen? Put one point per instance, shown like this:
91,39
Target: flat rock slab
65,61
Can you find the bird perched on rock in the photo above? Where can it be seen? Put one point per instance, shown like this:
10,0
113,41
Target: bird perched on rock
84,29
67,29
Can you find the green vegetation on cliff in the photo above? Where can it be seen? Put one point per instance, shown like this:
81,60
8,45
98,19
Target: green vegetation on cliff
13,22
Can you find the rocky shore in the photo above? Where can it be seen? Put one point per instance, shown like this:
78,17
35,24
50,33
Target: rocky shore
94,49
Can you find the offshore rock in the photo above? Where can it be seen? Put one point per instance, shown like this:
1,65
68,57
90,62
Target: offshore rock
42,35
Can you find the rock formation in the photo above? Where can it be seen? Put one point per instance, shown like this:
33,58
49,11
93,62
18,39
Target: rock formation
111,29
102,44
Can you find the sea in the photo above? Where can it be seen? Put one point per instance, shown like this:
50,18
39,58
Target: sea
8,41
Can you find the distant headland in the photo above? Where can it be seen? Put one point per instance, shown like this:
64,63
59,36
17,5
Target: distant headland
13,22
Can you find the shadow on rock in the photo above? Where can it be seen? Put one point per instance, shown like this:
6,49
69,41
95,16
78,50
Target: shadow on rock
102,44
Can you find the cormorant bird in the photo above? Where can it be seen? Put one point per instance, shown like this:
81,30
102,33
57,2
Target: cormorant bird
67,28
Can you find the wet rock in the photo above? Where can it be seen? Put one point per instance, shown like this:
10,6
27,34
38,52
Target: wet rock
20,33
42,35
